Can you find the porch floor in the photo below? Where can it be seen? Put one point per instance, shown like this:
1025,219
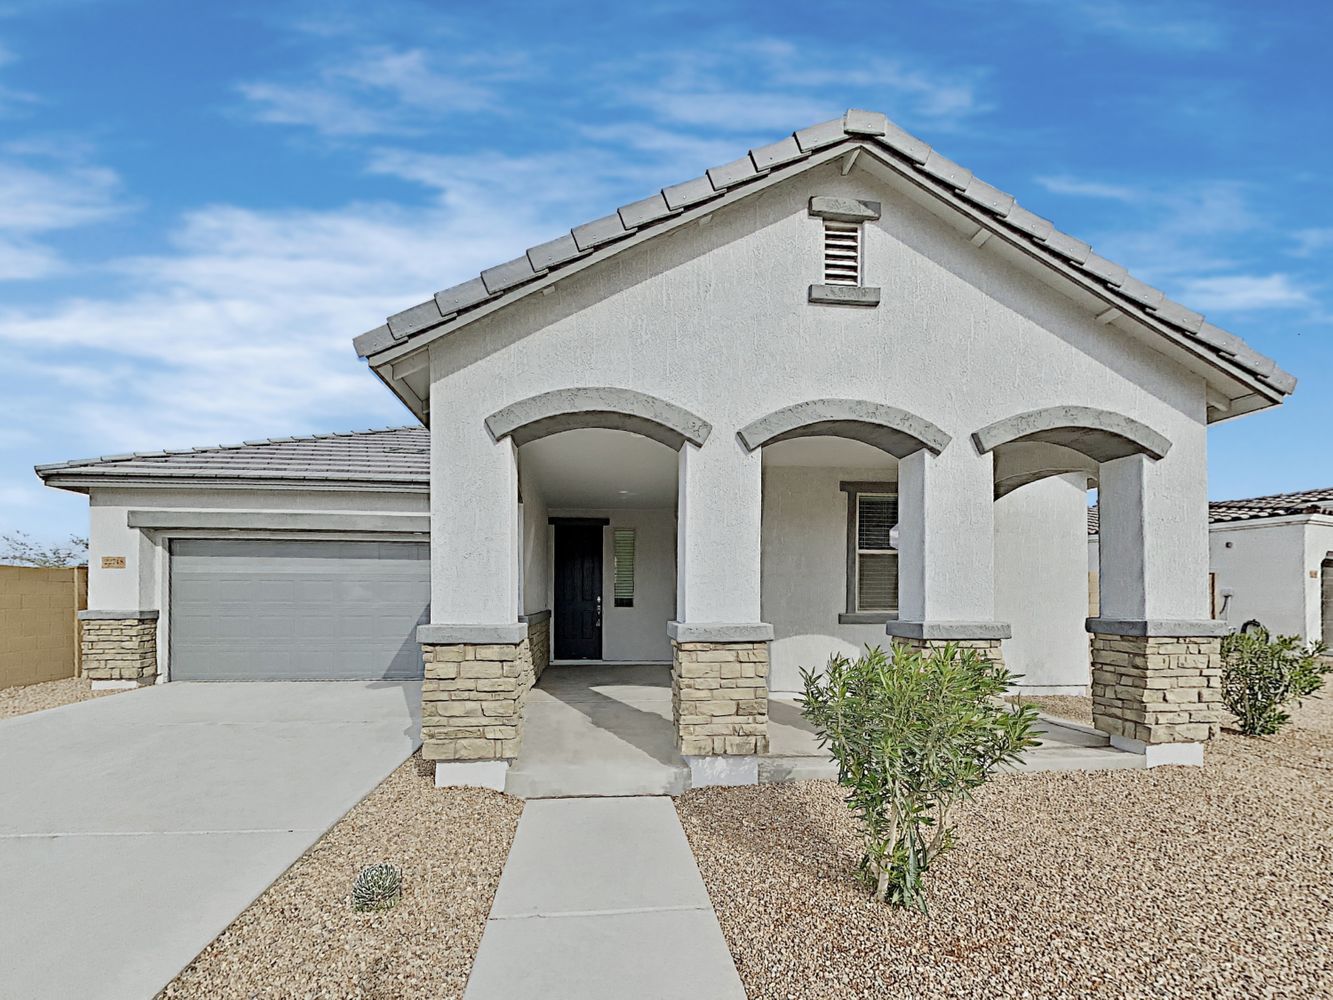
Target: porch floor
606,729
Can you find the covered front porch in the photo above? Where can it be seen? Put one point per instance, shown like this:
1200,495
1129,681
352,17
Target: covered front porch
607,729
603,526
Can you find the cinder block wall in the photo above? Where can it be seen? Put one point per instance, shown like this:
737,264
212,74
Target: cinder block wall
39,633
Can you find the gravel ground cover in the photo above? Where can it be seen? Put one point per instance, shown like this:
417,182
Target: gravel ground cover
1175,882
1075,708
48,694
302,939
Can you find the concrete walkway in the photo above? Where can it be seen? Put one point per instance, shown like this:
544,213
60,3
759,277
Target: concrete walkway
135,828
601,898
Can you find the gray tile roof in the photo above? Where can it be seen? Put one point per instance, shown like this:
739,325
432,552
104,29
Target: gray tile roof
1277,505
394,457
872,130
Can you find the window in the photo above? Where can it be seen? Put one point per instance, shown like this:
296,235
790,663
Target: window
842,253
872,562
622,548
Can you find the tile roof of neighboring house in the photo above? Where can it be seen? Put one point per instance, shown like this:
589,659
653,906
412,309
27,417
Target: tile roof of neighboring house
391,457
998,211
1277,505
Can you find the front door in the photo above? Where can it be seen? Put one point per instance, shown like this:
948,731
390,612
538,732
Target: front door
578,591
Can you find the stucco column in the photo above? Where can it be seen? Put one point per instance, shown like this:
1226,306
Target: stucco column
719,678
478,662
1153,547
946,550
1156,671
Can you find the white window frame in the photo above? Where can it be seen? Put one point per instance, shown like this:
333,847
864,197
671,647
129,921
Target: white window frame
854,615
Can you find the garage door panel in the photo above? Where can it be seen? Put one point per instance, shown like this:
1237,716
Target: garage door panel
259,609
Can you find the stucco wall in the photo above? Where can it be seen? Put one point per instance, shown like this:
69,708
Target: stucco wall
536,578
1272,569
805,569
1041,583
637,633
714,318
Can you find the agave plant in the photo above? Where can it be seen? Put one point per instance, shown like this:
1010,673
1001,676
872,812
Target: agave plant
377,887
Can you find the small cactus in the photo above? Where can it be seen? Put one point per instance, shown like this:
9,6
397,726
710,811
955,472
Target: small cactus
378,887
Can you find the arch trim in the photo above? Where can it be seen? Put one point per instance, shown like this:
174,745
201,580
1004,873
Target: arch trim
1102,435
885,427
606,407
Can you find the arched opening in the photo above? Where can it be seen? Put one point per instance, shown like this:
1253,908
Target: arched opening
598,561
1045,585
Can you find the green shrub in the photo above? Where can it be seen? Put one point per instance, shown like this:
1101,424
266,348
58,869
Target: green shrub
1261,675
913,735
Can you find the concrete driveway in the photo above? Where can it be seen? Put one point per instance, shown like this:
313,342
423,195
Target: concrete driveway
134,828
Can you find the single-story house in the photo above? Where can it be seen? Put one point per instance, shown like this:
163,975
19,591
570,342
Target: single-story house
1271,561
837,391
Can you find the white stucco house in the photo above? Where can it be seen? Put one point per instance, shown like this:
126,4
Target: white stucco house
837,391
1271,561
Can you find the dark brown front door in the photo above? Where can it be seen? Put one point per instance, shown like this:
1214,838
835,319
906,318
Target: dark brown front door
578,591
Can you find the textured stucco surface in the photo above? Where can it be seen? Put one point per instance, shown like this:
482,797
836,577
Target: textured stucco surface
805,568
1041,582
1268,570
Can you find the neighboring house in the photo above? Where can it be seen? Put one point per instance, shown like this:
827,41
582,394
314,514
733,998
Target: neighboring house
1271,561
835,389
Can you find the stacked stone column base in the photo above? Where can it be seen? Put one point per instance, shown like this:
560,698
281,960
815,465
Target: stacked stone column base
719,698
988,648
472,700
1157,689
119,652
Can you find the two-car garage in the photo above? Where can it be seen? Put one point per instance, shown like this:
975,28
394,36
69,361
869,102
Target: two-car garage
296,609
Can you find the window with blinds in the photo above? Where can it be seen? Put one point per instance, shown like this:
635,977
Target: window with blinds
876,562
842,253
622,547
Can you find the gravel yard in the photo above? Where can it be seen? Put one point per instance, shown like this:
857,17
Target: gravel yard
48,694
1174,882
1075,708
302,938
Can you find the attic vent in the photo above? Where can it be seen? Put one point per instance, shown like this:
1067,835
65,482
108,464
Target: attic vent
842,253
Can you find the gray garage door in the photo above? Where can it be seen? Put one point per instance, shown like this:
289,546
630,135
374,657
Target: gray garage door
297,610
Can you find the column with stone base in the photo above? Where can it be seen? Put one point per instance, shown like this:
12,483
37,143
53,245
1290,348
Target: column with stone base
472,702
719,701
925,637
119,648
1158,695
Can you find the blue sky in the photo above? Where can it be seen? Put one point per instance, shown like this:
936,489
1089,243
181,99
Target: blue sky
201,204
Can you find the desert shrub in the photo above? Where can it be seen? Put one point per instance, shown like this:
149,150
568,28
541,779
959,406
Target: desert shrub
913,735
1261,675
377,887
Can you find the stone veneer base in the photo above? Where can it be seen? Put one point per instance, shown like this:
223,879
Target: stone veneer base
121,650
990,648
472,700
719,698
1157,689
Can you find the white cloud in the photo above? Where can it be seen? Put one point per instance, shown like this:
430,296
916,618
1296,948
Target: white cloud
1311,241
1063,184
377,91
1244,292
37,202
1149,24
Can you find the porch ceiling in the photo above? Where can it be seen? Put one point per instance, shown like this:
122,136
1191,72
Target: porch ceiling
595,468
